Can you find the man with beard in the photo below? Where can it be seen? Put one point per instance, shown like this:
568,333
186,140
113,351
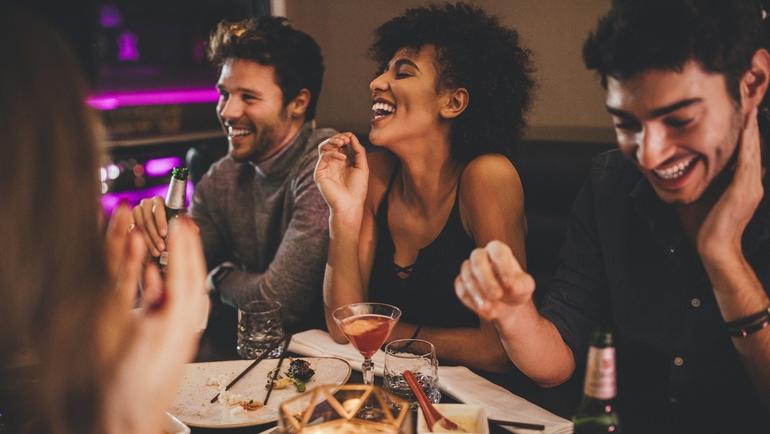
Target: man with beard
669,239
263,223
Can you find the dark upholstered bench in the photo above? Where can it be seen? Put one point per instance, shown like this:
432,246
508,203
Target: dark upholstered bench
552,173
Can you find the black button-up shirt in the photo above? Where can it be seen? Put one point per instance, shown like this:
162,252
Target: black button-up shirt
627,261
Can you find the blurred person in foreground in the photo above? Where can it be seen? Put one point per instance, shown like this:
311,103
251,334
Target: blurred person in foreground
448,105
669,239
74,358
263,223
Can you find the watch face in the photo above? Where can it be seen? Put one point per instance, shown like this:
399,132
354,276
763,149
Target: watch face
220,274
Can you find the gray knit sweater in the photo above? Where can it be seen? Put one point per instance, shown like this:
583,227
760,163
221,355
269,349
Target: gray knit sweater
273,224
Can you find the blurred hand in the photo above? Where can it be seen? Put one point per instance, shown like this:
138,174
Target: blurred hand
342,173
163,333
150,218
125,251
492,281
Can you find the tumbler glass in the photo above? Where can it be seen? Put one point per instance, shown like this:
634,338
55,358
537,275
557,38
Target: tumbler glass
415,355
259,327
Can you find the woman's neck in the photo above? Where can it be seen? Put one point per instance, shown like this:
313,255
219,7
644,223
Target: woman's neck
428,175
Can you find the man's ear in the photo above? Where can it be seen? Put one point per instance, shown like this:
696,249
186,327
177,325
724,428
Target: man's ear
456,103
755,81
297,107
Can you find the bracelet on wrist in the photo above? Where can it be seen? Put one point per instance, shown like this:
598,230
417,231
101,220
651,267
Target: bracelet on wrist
748,325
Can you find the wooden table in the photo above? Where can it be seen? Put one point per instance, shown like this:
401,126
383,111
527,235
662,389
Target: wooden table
560,400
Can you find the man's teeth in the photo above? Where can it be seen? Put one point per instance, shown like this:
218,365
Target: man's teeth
676,170
235,132
383,109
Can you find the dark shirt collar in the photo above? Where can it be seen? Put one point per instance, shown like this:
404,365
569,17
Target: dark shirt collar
664,222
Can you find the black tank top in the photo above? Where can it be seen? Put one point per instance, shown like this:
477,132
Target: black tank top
426,296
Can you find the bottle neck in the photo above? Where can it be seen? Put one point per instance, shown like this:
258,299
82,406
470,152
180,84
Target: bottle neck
175,197
600,374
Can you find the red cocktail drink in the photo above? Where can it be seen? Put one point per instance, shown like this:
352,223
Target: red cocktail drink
367,332
367,326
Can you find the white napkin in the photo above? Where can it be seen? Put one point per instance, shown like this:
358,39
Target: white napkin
318,343
465,386
457,381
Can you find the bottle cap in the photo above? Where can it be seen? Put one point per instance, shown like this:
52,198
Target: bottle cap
179,173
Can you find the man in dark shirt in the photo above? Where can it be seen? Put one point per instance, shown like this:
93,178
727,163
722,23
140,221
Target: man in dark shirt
669,239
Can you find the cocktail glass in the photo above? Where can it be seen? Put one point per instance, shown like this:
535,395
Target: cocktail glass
367,326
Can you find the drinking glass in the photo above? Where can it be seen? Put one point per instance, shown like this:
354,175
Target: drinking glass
259,327
367,326
415,355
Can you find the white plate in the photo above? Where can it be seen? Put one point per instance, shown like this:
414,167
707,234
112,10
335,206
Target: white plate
193,406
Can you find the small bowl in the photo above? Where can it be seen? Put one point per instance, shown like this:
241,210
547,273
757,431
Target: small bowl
472,418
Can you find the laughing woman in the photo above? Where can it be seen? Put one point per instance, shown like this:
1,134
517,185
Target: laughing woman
448,104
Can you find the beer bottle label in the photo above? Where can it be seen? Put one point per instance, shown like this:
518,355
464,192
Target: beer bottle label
600,375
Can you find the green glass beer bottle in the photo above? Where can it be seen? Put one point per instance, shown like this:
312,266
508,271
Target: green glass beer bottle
174,204
596,412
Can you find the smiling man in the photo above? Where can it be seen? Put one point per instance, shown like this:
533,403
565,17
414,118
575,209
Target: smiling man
263,222
669,239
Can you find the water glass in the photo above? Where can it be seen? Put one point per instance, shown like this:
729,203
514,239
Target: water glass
259,327
415,355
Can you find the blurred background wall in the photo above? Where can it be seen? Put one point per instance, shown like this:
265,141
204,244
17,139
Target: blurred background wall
569,104
154,89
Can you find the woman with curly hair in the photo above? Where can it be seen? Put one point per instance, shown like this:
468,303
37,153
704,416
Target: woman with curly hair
447,105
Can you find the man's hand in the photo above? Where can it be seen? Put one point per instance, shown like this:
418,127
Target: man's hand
150,217
720,234
492,282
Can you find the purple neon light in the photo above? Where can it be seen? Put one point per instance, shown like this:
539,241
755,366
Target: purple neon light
110,201
114,100
161,166
128,47
110,17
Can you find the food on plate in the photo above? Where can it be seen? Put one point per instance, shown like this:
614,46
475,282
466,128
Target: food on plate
251,405
298,374
229,399
300,370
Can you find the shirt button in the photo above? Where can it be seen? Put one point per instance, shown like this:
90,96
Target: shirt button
678,361
671,250
695,302
672,400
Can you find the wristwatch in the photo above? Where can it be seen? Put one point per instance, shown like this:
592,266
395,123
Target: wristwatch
218,274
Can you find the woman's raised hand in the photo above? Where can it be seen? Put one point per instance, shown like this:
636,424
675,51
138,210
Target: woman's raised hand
161,336
342,173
